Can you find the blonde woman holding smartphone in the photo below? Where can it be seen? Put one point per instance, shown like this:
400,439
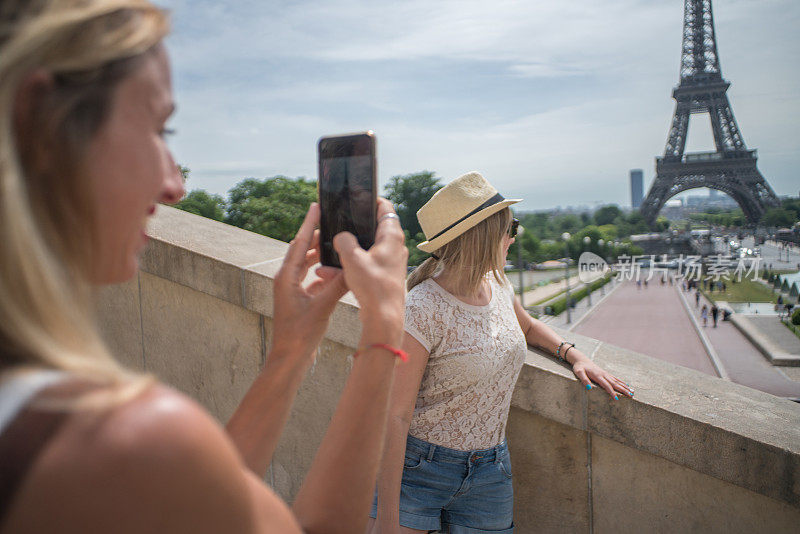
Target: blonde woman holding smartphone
446,464
85,445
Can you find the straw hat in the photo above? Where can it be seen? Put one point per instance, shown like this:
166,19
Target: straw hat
457,207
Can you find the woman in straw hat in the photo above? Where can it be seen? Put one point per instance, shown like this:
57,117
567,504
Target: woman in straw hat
86,446
446,464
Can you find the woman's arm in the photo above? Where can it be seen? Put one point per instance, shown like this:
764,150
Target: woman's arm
300,319
338,489
404,394
540,335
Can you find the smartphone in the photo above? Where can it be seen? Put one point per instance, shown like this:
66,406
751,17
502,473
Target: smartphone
347,190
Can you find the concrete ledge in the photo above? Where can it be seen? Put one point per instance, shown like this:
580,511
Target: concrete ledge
710,426
773,353
229,263
730,432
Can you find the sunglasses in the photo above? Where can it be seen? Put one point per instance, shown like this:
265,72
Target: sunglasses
512,230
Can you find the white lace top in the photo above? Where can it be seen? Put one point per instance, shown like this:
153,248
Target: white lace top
476,353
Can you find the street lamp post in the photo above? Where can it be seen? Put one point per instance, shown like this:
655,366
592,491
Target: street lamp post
588,241
565,237
600,244
520,229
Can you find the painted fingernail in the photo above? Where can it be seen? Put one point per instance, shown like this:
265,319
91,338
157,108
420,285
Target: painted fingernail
588,386
616,398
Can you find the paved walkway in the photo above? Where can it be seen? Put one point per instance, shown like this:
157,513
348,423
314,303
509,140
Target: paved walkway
581,309
742,361
655,322
651,321
777,332
555,288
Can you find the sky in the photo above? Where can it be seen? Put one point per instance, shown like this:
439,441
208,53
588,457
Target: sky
552,101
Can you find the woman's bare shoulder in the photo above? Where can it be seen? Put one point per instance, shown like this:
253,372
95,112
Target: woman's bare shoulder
158,462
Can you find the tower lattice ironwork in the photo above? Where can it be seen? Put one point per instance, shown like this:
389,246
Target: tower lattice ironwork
732,167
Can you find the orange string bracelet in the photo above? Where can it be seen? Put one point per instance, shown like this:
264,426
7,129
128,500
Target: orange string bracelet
403,355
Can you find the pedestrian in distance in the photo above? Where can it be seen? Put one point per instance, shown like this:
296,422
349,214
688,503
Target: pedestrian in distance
696,298
704,314
446,464
714,313
86,445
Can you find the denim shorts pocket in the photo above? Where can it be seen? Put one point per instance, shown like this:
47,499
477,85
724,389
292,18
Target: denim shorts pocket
505,466
412,460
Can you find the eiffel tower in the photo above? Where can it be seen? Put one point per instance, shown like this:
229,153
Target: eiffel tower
732,167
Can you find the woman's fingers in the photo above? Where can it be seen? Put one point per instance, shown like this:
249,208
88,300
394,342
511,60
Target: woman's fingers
312,254
326,272
346,245
294,261
584,378
312,257
388,228
606,385
622,387
327,291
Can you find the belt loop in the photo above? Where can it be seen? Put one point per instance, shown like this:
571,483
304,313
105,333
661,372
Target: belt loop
430,452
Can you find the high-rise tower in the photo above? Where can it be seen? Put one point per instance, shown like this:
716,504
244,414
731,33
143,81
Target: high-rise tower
637,187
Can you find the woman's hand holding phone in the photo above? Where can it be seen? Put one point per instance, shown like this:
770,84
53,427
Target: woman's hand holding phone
376,277
302,313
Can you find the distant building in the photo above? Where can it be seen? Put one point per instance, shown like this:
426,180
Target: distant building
637,188
673,209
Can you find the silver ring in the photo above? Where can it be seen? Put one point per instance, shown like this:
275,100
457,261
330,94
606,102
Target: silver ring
389,216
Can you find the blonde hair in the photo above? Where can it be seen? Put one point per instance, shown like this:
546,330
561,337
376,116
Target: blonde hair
85,48
472,255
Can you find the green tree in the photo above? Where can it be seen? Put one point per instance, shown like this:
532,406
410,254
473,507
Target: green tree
536,223
565,223
530,246
662,224
607,214
550,250
273,207
792,204
202,203
779,217
408,193
636,223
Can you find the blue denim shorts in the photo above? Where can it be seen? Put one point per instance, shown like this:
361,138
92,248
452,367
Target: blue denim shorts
467,492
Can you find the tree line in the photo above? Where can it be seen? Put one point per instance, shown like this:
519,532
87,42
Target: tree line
275,207
784,216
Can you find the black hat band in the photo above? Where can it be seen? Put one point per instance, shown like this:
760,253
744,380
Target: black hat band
498,198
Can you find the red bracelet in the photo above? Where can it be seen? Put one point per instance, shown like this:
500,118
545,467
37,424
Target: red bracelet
397,352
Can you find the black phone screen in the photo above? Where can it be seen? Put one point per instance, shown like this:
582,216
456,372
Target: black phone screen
347,192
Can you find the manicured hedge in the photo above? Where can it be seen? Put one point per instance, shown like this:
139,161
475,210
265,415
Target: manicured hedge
557,307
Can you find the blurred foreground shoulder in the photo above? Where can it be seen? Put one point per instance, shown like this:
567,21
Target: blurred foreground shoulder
157,463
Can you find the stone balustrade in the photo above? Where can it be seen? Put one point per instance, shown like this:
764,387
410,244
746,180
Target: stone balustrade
691,453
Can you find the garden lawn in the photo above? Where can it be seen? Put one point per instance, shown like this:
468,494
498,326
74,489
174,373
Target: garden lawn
744,291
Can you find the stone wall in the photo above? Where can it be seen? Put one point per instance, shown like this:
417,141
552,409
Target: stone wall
690,453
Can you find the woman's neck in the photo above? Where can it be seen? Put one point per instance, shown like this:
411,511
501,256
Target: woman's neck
451,283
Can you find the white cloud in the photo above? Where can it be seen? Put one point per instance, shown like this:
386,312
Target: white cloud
555,99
